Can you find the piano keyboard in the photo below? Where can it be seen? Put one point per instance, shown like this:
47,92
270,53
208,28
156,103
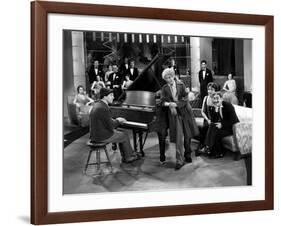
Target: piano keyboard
135,125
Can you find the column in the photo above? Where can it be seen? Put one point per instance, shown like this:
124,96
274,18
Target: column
68,85
78,59
195,61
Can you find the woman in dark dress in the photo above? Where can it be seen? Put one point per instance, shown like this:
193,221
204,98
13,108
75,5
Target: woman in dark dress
206,113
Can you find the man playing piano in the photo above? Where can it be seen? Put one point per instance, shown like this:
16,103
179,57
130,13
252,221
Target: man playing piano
182,125
102,127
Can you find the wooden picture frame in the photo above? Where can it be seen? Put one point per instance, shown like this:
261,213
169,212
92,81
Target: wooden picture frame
39,112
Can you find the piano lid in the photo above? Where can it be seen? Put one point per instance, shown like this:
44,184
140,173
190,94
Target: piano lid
140,99
150,79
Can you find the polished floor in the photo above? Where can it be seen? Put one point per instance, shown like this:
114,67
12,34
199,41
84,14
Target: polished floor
147,173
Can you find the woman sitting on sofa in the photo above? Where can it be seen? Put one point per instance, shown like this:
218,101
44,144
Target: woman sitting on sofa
207,105
82,100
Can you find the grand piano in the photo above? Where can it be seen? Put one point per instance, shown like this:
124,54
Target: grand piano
140,104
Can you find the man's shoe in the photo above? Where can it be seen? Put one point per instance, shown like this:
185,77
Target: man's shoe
162,162
178,166
139,155
130,160
188,160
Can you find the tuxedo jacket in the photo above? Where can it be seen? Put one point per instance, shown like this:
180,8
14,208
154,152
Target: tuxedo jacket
123,68
134,75
208,77
204,82
228,115
93,75
117,80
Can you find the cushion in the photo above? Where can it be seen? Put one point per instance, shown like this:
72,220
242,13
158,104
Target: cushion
243,137
244,114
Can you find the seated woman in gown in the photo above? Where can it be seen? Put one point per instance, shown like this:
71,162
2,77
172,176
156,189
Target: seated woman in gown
82,101
108,72
96,86
127,82
230,90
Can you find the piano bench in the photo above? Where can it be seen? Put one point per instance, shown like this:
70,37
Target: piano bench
97,147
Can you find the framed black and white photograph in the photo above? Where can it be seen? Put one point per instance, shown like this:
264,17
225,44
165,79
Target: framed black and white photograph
144,112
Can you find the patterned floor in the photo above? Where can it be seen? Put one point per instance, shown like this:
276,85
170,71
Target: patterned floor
148,173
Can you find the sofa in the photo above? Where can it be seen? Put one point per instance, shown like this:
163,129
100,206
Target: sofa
75,117
241,141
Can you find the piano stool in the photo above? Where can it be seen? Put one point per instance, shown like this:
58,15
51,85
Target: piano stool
97,147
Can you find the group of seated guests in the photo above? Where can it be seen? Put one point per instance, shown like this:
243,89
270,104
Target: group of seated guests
219,117
117,78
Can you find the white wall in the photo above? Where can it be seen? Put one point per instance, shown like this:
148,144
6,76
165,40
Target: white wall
206,51
15,114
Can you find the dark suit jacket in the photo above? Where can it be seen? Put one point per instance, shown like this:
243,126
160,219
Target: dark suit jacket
229,117
134,75
101,123
116,81
93,75
204,82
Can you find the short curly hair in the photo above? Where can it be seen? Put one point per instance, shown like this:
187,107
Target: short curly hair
168,71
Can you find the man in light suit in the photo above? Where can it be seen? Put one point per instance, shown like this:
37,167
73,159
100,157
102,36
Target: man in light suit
205,77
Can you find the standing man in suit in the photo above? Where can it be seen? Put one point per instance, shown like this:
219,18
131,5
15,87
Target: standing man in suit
226,119
95,71
102,127
205,77
132,71
124,67
115,81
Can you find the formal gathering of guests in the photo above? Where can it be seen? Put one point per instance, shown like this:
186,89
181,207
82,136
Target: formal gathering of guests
174,112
